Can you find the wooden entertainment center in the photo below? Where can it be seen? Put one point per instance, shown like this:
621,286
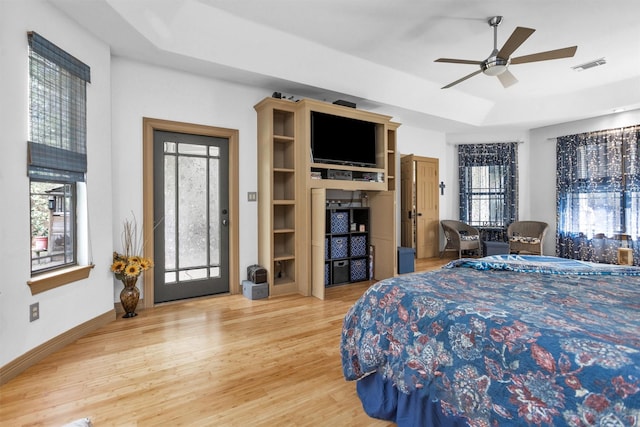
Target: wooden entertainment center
292,201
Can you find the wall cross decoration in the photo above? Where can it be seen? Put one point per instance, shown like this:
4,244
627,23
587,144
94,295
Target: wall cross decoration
442,186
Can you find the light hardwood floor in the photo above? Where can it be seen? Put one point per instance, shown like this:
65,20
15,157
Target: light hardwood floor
224,361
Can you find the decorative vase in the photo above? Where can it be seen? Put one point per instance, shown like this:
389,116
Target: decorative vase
129,296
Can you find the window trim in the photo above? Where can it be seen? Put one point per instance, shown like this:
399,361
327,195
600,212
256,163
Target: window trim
53,279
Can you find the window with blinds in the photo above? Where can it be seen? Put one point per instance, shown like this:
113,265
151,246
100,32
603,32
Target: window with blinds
57,157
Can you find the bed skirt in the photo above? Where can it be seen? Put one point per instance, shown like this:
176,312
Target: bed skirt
381,400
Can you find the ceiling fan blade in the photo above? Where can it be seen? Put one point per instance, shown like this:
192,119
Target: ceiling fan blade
519,36
566,52
507,79
462,79
458,61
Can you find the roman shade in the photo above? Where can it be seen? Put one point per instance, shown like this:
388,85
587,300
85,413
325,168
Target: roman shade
57,107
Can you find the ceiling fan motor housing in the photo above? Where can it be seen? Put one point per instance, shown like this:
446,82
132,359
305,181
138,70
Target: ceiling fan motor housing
494,66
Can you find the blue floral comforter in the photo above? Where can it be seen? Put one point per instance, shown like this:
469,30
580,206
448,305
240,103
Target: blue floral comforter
505,340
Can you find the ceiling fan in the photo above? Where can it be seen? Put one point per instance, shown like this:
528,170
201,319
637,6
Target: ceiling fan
498,62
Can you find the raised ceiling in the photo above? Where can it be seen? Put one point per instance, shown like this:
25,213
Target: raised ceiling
380,53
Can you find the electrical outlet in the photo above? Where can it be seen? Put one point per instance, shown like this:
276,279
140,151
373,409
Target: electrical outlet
252,196
34,311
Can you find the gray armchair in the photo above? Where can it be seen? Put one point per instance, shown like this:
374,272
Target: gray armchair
460,237
527,236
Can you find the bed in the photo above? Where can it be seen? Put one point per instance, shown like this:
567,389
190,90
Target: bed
500,340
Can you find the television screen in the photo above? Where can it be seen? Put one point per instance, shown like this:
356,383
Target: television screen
342,140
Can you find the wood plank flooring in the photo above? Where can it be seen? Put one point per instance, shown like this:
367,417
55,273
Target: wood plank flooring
224,361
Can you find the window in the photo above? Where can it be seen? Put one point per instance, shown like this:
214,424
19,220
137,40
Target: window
598,194
52,222
486,198
56,151
488,186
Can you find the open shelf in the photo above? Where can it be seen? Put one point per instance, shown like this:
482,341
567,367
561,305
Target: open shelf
284,218
284,185
283,153
283,123
284,246
346,178
283,272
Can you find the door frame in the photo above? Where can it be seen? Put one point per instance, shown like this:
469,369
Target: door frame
150,125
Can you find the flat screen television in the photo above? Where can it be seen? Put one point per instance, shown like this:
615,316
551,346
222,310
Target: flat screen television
342,140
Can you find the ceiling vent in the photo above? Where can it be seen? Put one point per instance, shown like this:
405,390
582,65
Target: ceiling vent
590,64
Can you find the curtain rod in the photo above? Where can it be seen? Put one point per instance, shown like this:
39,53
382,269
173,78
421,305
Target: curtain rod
621,128
485,142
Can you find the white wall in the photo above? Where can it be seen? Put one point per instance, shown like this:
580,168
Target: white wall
542,161
426,143
140,90
68,306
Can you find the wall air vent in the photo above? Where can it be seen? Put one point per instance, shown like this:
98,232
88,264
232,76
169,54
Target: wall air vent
590,64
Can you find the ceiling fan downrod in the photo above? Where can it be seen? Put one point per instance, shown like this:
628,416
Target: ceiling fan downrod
494,22
494,66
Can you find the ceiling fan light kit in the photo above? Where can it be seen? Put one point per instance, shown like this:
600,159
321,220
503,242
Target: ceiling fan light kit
494,66
497,64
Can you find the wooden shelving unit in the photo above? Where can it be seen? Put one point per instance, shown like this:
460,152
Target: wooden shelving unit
277,185
292,202
391,155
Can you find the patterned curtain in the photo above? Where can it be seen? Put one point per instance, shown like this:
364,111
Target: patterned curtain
598,194
488,175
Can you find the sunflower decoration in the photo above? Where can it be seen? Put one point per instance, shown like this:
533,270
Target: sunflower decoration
128,264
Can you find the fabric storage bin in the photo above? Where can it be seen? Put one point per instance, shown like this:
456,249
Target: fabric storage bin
494,248
327,277
358,245
255,290
326,248
339,247
359,269
339,222
340,272
406,260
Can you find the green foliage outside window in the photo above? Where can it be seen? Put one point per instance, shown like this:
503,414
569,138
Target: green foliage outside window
40,214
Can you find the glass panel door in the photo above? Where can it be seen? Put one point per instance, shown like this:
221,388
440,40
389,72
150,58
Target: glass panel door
191,215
